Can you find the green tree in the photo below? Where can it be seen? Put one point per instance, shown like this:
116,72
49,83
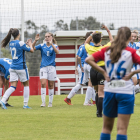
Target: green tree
60,25
89,23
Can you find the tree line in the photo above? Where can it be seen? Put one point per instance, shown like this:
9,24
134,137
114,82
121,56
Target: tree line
33,60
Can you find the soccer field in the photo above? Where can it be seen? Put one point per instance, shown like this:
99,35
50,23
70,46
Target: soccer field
61,122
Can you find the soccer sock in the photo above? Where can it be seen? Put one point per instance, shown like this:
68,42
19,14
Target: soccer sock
121,137
7,94
93,94
51,93
43,95
104,136
0,93
88,94
96,100
26,95
100,105
74,90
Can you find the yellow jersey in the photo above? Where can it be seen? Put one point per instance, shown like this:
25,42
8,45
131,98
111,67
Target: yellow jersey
92,49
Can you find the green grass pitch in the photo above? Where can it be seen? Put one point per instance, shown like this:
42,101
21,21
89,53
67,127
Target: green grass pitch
61,122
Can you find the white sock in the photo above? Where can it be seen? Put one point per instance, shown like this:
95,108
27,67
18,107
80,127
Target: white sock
26,95
74,90
88,94
43,95
51,93
0,93
93,94
7,94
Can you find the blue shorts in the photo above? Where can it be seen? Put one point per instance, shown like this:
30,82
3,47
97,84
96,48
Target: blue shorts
116,103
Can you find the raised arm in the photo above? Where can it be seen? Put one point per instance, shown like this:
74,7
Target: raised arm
29,43
109,33
37,37
55,49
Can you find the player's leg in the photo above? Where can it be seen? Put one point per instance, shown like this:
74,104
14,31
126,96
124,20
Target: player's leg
51,78
89,93
43,80
125,109
107,128
11,89
100,79
1,86
76,88
110,112
90,90
93,77
24,78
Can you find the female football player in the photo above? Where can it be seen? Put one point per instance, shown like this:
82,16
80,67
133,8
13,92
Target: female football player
48,49
18,68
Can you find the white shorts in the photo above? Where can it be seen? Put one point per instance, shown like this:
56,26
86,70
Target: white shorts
80,75
48,72
87,68
2,74
21,75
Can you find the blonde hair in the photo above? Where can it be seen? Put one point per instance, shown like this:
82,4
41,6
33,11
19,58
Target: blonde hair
135,31
54,41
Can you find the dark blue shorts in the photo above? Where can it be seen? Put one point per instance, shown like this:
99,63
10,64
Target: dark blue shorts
117,103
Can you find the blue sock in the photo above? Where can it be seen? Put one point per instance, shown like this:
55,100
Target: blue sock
104,136
121,137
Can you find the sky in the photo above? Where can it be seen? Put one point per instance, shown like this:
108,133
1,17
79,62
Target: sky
47,12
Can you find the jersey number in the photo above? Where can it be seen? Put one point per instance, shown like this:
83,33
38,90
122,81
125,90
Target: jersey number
119,69
6,60
15,53
48,53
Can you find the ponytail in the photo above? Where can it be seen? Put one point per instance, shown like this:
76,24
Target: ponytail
119,44
6,40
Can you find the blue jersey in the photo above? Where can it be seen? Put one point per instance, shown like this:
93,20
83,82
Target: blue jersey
138,45
83,53
47,54
18,49
4,67
132,45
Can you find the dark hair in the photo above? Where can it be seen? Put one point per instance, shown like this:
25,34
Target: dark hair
119,43
96,37
87,35
14,32
53,40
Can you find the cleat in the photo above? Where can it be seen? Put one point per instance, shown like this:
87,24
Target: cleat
68,101
87,104
26,107
43,105
50,104
2,105
100,115
8,105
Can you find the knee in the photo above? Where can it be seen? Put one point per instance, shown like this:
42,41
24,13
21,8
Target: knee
43,84
121,130
51,85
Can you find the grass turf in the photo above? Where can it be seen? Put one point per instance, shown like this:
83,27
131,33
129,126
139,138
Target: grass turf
61,122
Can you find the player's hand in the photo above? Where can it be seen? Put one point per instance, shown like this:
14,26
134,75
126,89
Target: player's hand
29,42
37,37
106,76
51,42
105,27
128,76
82,69
76,71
